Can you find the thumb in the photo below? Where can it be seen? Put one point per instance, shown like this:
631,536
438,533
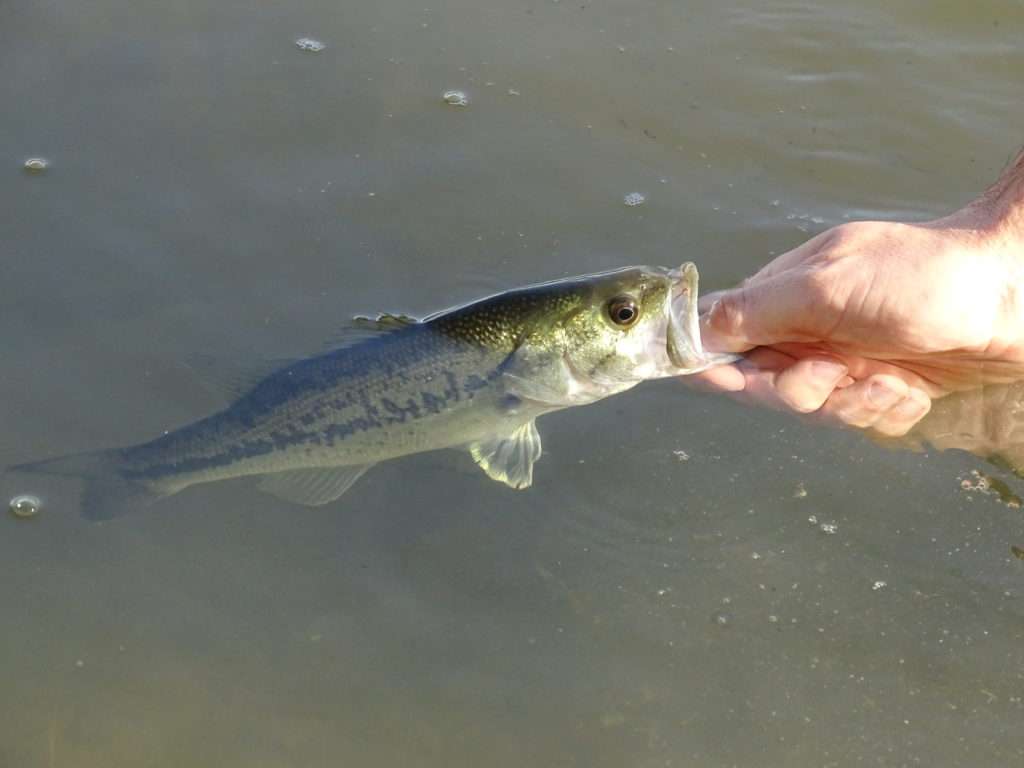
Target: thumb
759,313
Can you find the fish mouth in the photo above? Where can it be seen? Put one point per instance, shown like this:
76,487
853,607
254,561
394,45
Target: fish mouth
682,342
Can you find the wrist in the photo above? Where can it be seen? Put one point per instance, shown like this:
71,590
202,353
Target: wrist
990,230
1005,243
999,212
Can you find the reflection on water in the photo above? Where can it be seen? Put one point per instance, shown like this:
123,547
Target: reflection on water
214,189
987,421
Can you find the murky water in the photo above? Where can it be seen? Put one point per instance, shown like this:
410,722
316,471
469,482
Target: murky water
687,583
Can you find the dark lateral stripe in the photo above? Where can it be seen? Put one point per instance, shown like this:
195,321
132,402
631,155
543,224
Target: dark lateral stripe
157,460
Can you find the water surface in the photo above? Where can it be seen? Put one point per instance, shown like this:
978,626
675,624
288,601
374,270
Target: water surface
665,594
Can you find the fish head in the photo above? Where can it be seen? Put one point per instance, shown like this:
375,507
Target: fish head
635,324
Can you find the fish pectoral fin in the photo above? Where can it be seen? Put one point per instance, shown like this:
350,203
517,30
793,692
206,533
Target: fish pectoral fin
312,487
538,392
509,458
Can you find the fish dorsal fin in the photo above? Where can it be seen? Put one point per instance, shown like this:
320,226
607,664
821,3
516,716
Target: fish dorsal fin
385,321
312,487
231,381
361,328
509,458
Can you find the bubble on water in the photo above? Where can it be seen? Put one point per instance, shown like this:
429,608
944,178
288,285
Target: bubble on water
36,164
25,506
829,528
879,585
455,98
721,618
990,486
634,198
309,44
800,491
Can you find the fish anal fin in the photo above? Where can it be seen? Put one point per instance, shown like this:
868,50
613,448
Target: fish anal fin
231,380
312,487
509,458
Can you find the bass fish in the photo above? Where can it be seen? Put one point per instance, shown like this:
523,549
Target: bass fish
474,377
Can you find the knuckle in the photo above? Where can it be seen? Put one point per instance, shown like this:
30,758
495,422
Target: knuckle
854,233
820,287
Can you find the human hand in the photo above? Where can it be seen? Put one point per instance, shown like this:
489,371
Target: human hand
868,322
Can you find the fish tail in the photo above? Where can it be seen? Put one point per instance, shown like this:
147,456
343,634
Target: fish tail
107,493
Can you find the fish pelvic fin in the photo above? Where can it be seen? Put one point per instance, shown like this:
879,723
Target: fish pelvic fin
509,459
106,493
312,487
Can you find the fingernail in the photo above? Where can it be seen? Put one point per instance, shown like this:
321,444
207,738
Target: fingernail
705,317
882,397
716,341
715,316
827,373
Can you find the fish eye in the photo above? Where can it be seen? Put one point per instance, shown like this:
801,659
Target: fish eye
623,311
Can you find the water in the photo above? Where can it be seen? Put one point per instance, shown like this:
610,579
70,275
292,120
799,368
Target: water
222,193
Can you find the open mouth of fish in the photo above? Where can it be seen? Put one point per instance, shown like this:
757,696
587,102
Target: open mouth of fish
682,342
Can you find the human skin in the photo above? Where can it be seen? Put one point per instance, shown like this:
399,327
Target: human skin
867,323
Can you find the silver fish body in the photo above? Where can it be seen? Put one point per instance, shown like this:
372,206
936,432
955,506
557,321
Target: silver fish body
475,377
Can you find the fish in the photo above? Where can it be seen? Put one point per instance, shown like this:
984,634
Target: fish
475,377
